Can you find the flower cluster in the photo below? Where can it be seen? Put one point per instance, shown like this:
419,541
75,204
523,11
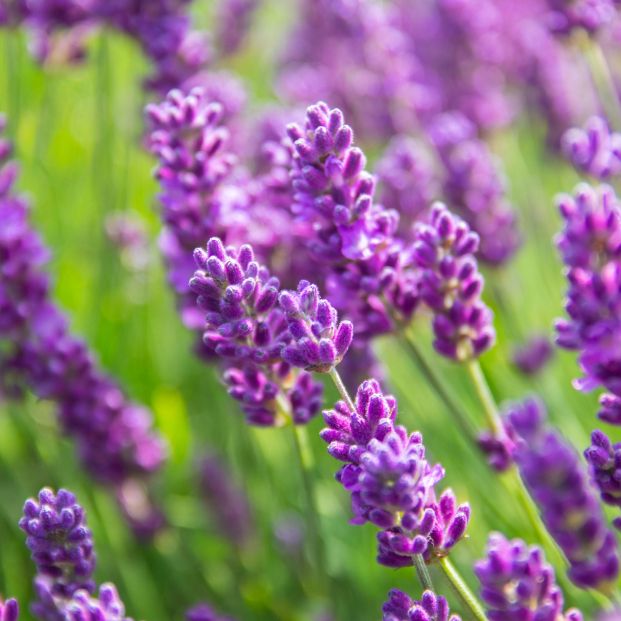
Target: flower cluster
114,436
568,503
594,150
246,328
518,583
391,483
9,610
604,459
590,15
451,285
431,607
590,245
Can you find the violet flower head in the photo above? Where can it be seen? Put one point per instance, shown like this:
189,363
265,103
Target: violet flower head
594,150
333,190
9,610
590,245
499,446
451,286
106,607
532,356
60,542
431,607
319,341
604,459
566,499
518,583
226,501
566,16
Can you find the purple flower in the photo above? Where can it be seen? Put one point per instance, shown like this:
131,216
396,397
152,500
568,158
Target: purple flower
60,542
248,331
474,187
565,16
9,610
604,459
431,607
319,341
499,446
518,583
568,504
590,245
106,607
234,19
333,190
226,501
204,612
451,286
594,150
533,355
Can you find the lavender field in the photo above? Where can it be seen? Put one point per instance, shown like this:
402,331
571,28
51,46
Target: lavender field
310,310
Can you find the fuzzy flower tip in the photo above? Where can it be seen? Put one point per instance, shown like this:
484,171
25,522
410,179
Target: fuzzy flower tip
518,583
431,607
245,327
451,286
567,501
106,607
604,459
532,356
333,190
391,483
319,341
9,610
60,541
590,245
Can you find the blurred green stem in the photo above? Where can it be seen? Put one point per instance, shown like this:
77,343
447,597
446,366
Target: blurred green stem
340,386
601,76
462,589
423,573
485,396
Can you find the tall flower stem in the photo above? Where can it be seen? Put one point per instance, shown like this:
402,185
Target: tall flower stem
490,409
601,76
306,465
423,573
468,598
340,386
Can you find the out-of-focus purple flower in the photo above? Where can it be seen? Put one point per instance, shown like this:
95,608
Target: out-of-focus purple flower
127,233
594,150
204,612
9,610
106,607
407,180
590,245
246,328
566,16
431,607
610,615
226,501
518,583
60,541
499,446
474,187
233,20
532,356
333,190
567,501
451,285
604,459
319,341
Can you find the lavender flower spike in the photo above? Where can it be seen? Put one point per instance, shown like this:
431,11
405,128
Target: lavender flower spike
518,583
451,285
319,341
9,610
431,607
107,607
567,501
604,459
60,541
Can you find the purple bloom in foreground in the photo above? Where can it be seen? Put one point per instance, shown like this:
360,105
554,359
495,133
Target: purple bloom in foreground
319,341
594,150
431,607
60,541
451,286
9,610
518,583
533,355
566,499
604,459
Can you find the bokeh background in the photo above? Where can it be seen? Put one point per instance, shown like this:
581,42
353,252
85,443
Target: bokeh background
78,134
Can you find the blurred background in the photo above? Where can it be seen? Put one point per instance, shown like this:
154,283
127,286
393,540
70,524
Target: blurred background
78,133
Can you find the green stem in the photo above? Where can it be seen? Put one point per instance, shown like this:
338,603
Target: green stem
462,589
485,396
340,386
601,76
423,573
436,384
